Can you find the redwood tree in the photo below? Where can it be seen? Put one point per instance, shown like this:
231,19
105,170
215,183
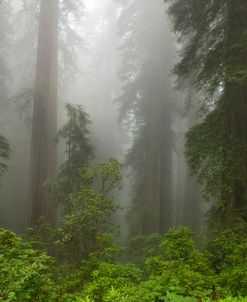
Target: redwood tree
215,56
44,124
145,104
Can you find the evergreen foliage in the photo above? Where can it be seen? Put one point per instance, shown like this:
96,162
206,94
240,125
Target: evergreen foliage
145,108
214,56
79,150
4,154
5,32
70,13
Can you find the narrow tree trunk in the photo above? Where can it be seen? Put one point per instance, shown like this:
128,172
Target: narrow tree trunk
165,211
151,221
44,127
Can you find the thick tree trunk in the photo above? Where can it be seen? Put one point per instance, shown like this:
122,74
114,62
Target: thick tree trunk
43,148
151,221
236,105
192,214
191,211
159,176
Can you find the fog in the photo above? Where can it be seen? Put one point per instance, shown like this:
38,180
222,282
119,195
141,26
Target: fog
123,150
115,59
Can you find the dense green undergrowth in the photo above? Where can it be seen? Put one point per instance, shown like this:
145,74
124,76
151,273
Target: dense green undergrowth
152,269
80,262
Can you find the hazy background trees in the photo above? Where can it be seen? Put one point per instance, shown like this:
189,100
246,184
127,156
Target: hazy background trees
115,59
148,51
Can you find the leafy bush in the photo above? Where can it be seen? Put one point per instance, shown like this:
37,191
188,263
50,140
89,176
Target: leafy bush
25,274
87,225
181,268
141,247
174,270
112,279
236,299
227,253
89,210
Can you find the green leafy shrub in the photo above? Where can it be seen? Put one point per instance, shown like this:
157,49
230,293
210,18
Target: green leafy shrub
171,297
227,253
114,295
108,275
174,271
142,247
25,274
236,299
180,268
87,226
88,212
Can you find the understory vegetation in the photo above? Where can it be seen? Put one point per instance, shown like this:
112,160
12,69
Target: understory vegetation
80,260
161,268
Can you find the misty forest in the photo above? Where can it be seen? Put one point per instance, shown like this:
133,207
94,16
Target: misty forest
123,150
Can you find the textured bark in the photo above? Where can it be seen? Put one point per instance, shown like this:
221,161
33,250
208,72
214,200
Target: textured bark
44,127
166,209
191,212
236,104
151,221
159,176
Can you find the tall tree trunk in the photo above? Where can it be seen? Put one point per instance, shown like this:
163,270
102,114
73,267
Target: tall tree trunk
159,180
235,99
44,127
151,221
192,214
166,211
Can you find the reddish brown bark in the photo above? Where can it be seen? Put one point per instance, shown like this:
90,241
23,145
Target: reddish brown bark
44,127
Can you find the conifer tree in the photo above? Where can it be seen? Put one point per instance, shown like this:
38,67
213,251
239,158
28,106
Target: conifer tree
43,151
5,29
79,150
4,154
215,56
57,41
145,103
